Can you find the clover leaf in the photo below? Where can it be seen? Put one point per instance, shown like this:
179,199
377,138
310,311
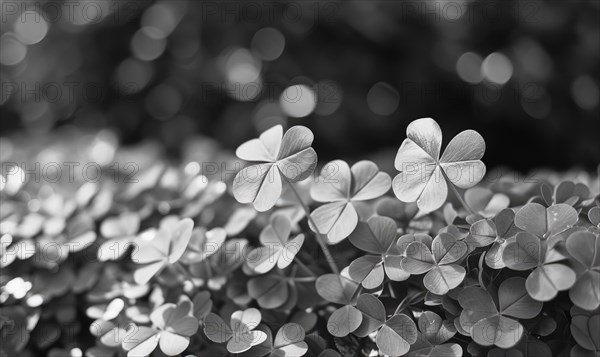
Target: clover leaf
394,335
546,223
584,328
423,174
203,244
341,187
283,157
495,232
433,333
340,289
289,341
584,247
239,334
547,278
485,202
172,327
272,291
407,215
442,275
488,320
377,236
434,329
120,232
167,246
566,192
277,248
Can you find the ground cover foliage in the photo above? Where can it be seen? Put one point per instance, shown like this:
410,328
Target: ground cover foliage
292,257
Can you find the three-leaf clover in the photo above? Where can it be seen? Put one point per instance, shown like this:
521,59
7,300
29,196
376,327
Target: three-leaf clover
548,277
377,236
488,320
437,261
341,186
340,289
584,247
203,244
546,223
277,248
495,232
584,328
423,174
394,334
485,202
282,157
289,341
173,326
167,246
432,337
239,334
120,232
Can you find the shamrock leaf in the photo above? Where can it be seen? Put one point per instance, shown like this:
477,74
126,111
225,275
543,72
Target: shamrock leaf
423,174
340,289
239,334
120,232
342,186
423,348
221,264
394,335
203,244
272,291
584,247
173,326
548,278
433,333
546,223
442,275
485,202
167,246
489,324
434,329
288,155
405,214
202,305
584,328
289,341
277,249
566,192
377,236
495,232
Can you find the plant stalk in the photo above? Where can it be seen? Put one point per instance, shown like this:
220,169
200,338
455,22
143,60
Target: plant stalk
322,244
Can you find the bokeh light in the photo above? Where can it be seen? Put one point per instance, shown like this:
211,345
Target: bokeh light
497,68
298,101
148,44
269,43
468,67
31,27
383,99
13,51
585,92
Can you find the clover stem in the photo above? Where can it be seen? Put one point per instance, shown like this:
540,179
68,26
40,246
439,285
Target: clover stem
392,293
322,244
303,266
186,273
307,279
543,249
480,274
460,198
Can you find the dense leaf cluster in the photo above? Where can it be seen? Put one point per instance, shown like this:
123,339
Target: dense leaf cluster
281,262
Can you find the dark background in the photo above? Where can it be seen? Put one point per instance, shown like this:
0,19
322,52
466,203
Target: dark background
388,63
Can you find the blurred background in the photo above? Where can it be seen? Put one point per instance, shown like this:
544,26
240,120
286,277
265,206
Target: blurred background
525,74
